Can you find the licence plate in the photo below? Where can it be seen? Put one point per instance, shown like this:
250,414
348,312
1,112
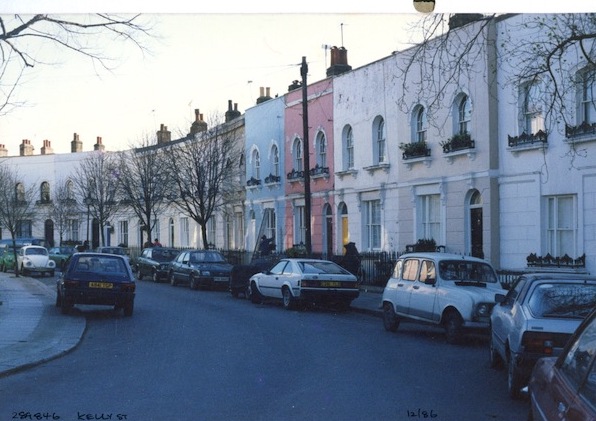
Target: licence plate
221,279
332,284
104,285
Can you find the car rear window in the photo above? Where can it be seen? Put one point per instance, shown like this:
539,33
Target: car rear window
562,300
457,270
104,265
212,257
164,255
321,267
37,251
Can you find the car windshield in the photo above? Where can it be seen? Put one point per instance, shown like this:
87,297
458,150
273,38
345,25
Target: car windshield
466,271
206,257
36,251
99,264
562,300
113,250
321,267
164,255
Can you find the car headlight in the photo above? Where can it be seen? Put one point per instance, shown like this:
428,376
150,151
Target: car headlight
483,310
205,273
51,263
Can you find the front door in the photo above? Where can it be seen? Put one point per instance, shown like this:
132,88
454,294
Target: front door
476,232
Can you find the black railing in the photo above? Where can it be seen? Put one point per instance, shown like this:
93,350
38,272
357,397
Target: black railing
583,129
527,139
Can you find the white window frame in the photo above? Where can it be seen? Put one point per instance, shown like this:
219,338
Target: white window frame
561,225
463,115
587,105
298,158
275,160
299,225
372,224
349,148
123,232
532,110
380,141
322,150
421,125
184,232
256,164
429,217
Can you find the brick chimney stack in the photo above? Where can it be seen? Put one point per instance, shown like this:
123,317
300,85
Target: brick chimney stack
3,150
76,145
163,134
26,148
231,114
198,125
264,95
339,61
98,145
46,149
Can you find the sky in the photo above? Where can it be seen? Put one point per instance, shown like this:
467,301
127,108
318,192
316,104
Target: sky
197,59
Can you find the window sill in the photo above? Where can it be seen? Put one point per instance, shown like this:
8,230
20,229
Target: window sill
410,162
342,174
515,150
383,166
582,138
450,156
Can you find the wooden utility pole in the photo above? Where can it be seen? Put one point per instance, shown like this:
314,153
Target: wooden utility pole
307,233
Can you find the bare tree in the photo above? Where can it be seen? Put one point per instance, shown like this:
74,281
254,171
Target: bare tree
24,37
145,182
97,184
549,52
207,172
17,210
63,208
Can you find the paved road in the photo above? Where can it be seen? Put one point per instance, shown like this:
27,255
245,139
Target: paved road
202,355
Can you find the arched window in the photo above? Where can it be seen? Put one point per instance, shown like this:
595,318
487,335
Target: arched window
348,148
380,141
275,161
256,164
70,190
297,149
321,150
44,192
20,192
421,125
533,118
587,105
463,115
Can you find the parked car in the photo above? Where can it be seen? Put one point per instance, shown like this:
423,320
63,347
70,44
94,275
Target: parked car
449,290
155,262
60,255
240,276
564,387
536,319
120,251
35,259
7,260
200,268
96,279
297,281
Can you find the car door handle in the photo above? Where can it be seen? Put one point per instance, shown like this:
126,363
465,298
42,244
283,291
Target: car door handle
562,408
416,287
400,285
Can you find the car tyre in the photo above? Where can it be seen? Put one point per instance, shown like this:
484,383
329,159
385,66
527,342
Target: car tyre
58,300
255,296
192,282
453,327
172,279
288,299
139,274
129,308
494,359
514,379
23,271
390,320
154,276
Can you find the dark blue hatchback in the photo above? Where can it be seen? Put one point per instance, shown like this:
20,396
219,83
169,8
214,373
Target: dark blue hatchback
96,279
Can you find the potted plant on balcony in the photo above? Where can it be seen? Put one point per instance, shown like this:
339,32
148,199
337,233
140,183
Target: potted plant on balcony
457,142
414,149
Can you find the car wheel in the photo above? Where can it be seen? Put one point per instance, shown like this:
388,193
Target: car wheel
139,274
246,292
172,279
255,296
390,320
154,276
514,379
288,299
58,300
192,282
453,327
128,308
494,359
65,306
23,271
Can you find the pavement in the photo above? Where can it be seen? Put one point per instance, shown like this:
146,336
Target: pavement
33,331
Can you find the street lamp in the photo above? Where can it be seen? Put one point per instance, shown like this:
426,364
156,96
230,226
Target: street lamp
88,201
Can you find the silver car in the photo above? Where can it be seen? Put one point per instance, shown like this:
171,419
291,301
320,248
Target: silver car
536,319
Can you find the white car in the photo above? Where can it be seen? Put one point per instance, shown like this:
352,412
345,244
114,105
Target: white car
449,290
35,259
536,319
298,281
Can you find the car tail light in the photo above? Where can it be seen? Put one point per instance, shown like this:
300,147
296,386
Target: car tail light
128,287
306,283
71,284
543,342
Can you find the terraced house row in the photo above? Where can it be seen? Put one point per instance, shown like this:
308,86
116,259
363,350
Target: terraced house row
473,139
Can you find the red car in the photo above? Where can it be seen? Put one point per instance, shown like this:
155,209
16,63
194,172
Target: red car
564,387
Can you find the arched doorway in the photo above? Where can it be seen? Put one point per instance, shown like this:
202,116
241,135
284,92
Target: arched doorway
345,235
476,227
328,231
49,232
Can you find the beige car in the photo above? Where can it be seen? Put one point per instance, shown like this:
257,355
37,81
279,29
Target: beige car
453,291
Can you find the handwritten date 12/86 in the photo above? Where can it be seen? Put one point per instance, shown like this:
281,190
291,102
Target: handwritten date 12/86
421,413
